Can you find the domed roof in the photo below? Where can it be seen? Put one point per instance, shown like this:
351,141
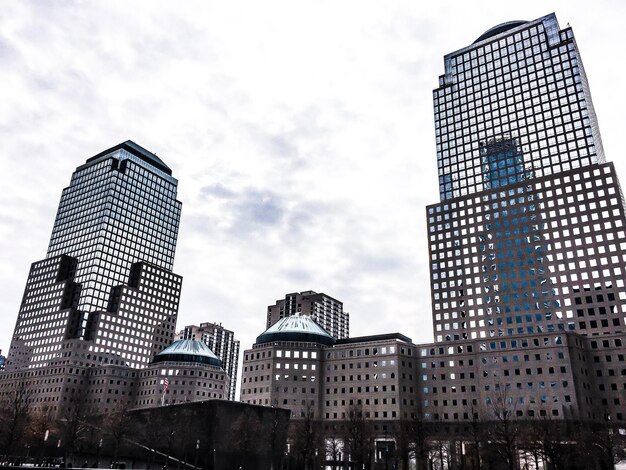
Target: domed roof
296,328
188,350
501,28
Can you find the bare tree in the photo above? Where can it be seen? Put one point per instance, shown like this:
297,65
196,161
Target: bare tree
244,436
477,437
418,436
605,443
548,439
38,427
401,435
504,433
334,447
358,437
14,416
441,453
115,426
277,439
74,427
306,438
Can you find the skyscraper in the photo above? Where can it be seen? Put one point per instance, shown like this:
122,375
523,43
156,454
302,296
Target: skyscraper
527,246
314,373
529,234
105,293
223,344
322,308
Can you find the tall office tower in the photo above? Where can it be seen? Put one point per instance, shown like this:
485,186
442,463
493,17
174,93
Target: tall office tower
105,293
223,344
326,311
529,235
528,244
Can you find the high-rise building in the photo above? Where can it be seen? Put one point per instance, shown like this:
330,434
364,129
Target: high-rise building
223,344
529,234
326,311
105,293
527,246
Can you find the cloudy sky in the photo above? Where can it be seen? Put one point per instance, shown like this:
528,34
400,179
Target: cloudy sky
301,134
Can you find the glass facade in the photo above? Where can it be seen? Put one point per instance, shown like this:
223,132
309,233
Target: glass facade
527,85
105,293
527,244
118,209
529,235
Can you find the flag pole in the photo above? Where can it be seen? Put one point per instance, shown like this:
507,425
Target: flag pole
166,385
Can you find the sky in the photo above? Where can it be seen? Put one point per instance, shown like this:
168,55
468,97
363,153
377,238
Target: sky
301,134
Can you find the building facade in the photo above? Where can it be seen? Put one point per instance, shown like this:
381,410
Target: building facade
527,245
193,373
527,250
297,365
105,295
222,342
326,311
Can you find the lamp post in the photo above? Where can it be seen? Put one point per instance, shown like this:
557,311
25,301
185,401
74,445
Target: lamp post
45,440
386,450
98,453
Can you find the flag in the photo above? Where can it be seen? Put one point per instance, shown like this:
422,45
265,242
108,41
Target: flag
166,384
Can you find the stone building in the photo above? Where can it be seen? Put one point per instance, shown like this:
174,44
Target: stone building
296,364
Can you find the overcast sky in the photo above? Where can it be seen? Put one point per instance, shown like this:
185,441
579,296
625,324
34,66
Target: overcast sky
301,134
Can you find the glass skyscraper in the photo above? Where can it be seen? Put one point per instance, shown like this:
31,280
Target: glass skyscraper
529,234
527,245
105,293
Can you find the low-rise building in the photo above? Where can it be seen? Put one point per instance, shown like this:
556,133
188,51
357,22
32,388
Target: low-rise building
296,364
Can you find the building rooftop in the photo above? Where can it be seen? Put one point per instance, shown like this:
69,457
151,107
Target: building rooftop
139,152
188,350
501,28
371,338
296,328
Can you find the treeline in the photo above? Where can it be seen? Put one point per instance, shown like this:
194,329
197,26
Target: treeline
221,435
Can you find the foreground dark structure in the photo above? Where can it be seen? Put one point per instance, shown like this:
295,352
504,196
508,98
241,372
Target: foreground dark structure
215,434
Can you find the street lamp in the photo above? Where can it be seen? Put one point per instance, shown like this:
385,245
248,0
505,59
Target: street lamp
45,440
98,453
386,450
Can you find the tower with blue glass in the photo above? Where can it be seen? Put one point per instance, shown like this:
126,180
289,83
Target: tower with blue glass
530,211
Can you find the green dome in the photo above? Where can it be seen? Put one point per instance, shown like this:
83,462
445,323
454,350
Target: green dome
188,350
296,328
